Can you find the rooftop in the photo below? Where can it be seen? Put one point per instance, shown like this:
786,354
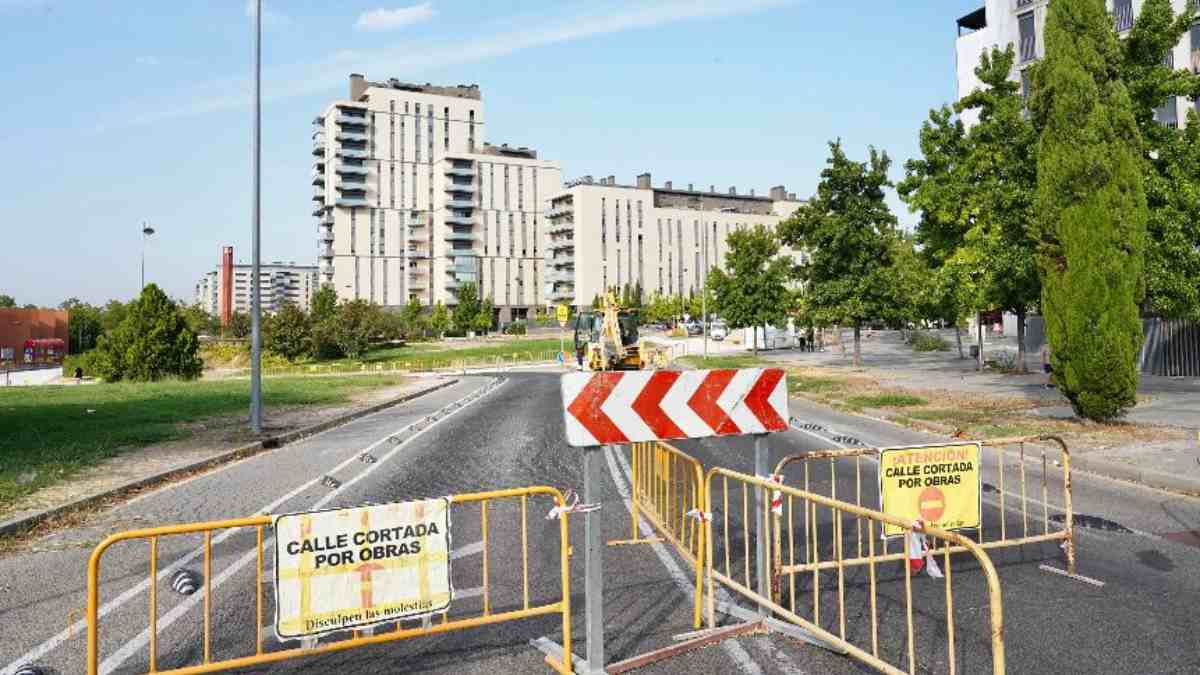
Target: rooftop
359,86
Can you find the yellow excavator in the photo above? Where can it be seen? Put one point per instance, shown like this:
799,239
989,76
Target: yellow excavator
608,340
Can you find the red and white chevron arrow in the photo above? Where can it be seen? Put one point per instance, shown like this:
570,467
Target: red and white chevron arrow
625,407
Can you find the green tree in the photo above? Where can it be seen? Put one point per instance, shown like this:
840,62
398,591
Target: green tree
848,233
324,304
353,326
483,319
1172,159
83,325
439,320
239,325
152,342
747,293
112,315
288,333
1001,160
1091,211
7,301
200,320
466,312
414,320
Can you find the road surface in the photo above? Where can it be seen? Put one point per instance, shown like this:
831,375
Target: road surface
1143,620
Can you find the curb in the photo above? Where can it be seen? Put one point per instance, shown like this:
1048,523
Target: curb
1114,470
26,523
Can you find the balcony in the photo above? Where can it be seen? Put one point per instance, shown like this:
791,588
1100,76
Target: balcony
452,219
344,168
324,238
418,285
561,260
560,244
460,170
345,118
451,282
351,201
462,267
567,276
455,235
417,253
318,193
352,183
560,210
318,177
1123,15
348,135
325,251
459,204
560,226
351,153
563,294
318,143
464,188
326,218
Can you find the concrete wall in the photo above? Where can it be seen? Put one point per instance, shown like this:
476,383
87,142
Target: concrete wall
19,325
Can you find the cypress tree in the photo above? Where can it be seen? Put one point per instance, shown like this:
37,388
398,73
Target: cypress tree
1091,211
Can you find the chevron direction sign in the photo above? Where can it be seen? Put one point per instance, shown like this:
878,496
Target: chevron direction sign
624,407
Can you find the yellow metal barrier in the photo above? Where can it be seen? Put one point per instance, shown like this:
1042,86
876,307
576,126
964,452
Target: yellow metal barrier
812,506
561,606
1007,537
668,486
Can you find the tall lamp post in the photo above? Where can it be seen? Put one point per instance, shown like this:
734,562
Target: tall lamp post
256,412
146,232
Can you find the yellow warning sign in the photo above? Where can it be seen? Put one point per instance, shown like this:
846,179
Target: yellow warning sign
562,314
936,484
349,568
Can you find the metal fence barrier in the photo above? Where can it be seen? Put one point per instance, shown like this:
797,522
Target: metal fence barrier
668,490
263,655
1009,534
839,632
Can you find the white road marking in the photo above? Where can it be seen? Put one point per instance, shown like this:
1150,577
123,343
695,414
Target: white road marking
57,640
744,662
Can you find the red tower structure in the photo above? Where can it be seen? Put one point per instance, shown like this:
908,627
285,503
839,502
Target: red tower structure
226,282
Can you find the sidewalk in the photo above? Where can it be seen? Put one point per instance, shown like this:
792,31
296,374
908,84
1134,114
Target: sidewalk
1160,446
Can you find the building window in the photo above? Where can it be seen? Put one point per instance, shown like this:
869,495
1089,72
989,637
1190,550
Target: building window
1196,47
446,131
524,237
1167,113
506,188
471,131
520,189
617,219
1028,37
512,244
1123,15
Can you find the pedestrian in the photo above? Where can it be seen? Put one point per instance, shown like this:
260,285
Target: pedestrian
1046,367
78,374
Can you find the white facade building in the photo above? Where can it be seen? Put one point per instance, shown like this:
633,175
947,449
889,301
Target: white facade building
278,282
412,203
1022,23
603,235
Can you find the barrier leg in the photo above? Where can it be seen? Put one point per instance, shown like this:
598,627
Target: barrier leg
762,510
593,565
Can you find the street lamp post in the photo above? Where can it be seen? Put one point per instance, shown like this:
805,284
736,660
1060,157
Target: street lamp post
704,296
256,412
146,232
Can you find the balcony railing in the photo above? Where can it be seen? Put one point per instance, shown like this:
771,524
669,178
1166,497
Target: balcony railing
344,118
460,236
325,251
326,218
349,201
560,210
318,177
1123,15
351,153
347,135
560,226
417,253
460,220
324,238
352,183
466,188
460,170
344,168
318,193
459,204
559,244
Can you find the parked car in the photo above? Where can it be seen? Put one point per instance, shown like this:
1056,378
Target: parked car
718,332
693,328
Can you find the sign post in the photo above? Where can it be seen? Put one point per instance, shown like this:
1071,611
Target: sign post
562,314
613,408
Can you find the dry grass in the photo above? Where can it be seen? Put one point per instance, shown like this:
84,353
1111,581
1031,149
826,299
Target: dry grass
971,414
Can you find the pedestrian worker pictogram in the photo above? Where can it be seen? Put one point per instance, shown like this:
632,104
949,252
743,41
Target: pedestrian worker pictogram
348,568
936,484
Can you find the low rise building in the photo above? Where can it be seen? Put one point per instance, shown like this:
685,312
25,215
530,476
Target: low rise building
279,283
603,235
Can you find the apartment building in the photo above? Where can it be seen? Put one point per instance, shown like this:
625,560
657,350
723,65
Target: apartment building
279,283
602,234
411,201
1022,23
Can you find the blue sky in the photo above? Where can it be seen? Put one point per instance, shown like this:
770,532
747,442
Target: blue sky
117,112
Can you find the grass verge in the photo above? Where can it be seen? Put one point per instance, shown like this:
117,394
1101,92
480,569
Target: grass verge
732,361
53,432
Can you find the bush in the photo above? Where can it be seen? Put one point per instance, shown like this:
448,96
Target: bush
153,342
287,333
516,328
928,342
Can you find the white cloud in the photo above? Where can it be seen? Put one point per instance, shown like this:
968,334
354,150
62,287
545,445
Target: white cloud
269,17
411,60
390,19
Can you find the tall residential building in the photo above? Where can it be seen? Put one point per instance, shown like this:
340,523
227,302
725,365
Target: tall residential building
278,283
412,203
604,235
1022,23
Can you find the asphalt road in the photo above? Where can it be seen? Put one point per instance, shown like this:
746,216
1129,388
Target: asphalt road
1142,621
